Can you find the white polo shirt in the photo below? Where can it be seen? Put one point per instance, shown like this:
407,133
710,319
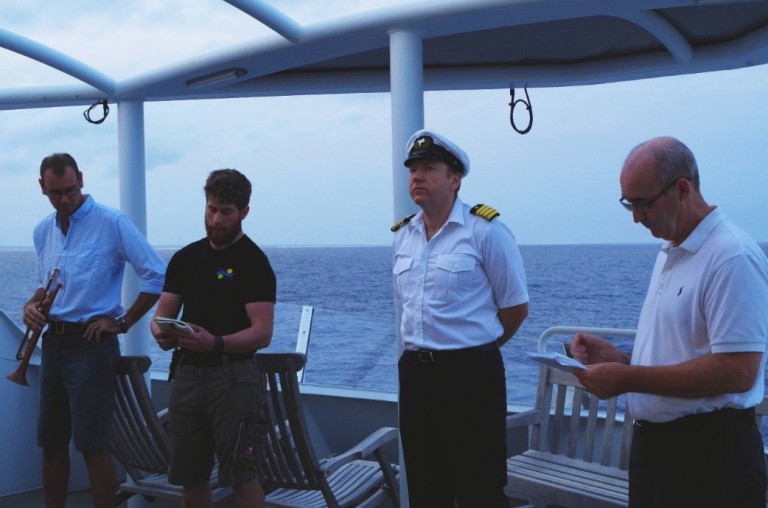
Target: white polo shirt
451,288
708,295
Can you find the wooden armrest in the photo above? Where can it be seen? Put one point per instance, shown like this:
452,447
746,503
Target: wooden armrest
524,419
165,421
364,448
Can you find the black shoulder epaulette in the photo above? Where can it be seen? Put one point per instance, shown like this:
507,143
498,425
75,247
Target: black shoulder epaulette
486,212
402,223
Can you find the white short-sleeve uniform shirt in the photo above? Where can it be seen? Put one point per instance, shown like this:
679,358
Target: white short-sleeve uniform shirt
450,288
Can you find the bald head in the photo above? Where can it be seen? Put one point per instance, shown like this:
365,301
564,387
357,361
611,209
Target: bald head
670,158
660,186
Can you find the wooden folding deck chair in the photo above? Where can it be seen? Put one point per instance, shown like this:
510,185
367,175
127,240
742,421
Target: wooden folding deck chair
578,447
289,471
140,439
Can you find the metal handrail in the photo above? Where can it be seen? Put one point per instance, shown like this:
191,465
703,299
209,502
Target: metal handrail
541,346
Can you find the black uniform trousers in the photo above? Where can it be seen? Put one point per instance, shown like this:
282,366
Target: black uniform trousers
453,427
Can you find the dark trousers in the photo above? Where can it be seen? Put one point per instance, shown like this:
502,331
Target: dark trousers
705,460
452,426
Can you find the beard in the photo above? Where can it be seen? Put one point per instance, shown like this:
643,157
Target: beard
223,236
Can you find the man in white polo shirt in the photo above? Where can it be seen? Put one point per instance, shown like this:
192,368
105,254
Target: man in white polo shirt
697,367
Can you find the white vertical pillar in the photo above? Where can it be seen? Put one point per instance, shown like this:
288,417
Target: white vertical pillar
133,203
407,95
406,67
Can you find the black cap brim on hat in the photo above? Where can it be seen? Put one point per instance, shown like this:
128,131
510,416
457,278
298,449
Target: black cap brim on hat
435,152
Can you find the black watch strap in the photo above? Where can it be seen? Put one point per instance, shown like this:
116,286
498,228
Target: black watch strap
122,324
218,343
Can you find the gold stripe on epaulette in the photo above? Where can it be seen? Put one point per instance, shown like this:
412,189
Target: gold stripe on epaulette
402,223
486,212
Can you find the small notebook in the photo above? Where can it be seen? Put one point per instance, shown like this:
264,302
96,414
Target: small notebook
557,361
173,324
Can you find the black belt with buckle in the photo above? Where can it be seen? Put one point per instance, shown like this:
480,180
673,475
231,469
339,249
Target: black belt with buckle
696,420
436,355
211,359
66,328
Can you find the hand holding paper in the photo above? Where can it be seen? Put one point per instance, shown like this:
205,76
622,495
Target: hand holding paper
173,324
557,361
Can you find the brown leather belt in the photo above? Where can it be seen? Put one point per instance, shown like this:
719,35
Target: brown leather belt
66,328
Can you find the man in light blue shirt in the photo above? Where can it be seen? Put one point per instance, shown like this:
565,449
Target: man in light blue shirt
89,244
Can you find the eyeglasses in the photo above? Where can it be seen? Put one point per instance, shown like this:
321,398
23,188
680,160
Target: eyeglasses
644,204
54,195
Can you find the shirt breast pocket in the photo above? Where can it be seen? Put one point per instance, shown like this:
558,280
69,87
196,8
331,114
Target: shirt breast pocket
402,272
87,256
455,276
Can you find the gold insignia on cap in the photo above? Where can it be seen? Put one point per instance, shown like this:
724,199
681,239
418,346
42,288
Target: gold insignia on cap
486,212
402,223
422,143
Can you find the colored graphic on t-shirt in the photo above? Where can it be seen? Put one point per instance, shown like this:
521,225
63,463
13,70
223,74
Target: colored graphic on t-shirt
221,273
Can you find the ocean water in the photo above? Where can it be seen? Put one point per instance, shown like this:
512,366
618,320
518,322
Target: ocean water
353,340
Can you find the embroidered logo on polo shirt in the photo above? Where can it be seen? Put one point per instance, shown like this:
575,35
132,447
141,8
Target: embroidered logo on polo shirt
223,273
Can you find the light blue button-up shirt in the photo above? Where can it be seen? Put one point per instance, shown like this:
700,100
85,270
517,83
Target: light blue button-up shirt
91,259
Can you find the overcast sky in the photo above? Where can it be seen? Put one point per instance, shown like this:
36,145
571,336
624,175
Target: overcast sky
321,166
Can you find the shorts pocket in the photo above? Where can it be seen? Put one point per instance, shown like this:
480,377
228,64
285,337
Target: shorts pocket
250,443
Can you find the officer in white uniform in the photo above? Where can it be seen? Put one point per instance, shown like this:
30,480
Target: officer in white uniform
460,286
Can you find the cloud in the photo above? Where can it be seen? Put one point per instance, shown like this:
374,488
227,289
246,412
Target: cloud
321,166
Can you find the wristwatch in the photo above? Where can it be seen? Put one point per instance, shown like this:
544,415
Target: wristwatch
122,324
218,344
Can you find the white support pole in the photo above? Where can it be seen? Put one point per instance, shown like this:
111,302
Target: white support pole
407,95
406,64
133,203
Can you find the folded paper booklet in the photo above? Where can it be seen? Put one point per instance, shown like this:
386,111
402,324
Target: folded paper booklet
557,361
173,324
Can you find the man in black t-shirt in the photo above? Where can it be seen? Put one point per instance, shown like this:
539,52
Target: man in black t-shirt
225,288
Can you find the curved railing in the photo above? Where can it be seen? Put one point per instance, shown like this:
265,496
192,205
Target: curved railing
570,330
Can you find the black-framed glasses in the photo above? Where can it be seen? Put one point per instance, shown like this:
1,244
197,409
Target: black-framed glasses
644,204
69,192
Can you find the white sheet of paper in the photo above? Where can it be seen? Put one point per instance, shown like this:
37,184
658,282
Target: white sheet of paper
173,324
557,361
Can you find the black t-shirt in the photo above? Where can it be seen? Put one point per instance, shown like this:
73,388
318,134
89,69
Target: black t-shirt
215,285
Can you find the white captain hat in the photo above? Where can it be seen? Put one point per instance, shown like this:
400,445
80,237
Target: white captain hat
425,144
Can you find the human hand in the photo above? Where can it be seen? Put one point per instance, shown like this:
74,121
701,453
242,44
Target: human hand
591,349
99,325
33,318
603,379
199,340
165,338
